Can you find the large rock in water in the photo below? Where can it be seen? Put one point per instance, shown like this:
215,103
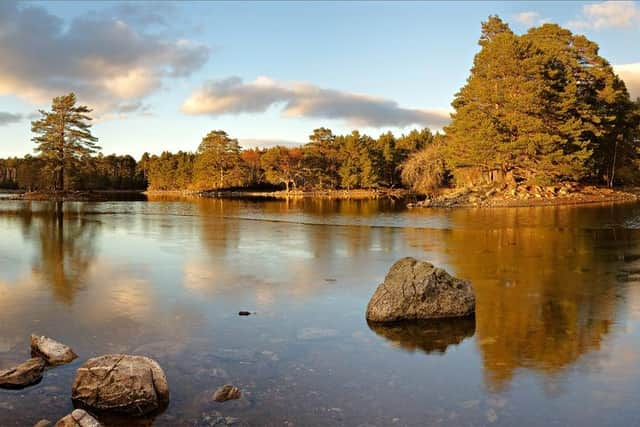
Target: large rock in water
133,385
78,418
53,352
25,374
416,290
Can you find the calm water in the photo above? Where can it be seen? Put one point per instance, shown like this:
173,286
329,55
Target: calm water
556,339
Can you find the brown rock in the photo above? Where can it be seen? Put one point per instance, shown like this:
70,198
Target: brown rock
22,375
78,418
134,385
53,352
226,392
417,290
42,423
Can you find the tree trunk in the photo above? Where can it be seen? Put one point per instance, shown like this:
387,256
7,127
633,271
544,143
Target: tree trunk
613,164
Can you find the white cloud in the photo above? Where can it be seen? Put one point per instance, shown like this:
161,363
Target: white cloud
630,74
527,18
106,60
233,96
608,14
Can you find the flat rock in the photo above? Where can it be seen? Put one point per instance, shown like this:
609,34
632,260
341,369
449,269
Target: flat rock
416,290
226,392
22,375
53,352
78,418
120,383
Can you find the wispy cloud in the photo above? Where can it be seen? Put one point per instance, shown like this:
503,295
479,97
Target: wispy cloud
107,60
608,14
630,74
527,18
233,96
263,143
8,118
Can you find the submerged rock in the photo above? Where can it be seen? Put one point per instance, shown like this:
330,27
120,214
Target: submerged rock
216,419
308,334
226,392
120,383
78,418
25,374
53,352
416,290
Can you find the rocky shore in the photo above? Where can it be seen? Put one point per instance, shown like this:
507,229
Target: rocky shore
526,195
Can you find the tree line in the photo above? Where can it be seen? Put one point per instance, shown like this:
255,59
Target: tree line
538,108
327,161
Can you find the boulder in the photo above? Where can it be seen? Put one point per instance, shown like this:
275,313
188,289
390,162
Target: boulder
78,418
53,352
25,374
416,290
120,383
226,392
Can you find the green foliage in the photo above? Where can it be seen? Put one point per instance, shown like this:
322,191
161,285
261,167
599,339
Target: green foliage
543,105
282,165
63,139
218,163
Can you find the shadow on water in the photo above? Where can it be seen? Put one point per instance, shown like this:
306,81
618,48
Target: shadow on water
429,336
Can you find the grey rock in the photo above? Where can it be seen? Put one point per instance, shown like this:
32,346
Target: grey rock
120,383
53,352
226,392
78,418
25,374
416,290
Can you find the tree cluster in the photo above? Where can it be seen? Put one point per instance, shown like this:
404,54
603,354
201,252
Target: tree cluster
541,107
327,161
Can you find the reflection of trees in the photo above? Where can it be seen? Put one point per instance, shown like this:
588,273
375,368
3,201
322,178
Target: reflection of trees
430,336
218,232
545,293
65,243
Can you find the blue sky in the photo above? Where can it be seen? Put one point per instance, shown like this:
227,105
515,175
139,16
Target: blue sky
160,75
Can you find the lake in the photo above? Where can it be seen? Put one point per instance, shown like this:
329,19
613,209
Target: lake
555,341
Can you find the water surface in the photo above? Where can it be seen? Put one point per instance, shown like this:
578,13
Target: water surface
556,338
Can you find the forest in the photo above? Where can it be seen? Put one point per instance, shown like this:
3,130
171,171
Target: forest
542,107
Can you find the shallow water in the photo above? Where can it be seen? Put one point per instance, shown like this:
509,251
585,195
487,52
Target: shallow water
556,339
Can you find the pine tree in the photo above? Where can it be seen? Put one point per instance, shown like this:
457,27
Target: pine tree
543,106
218,163
63,138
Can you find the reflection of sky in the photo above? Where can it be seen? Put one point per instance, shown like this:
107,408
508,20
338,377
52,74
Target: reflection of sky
179,273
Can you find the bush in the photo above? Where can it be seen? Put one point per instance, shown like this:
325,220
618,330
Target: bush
425,172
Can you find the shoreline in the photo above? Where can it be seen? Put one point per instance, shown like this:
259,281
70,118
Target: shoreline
471,197
566,194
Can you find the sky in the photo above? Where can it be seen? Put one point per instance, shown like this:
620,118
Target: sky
159,75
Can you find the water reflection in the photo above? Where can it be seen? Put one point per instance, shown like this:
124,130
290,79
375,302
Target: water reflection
557,292
429,336
66,245
546,287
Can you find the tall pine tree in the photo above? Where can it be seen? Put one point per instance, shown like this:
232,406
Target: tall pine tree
63,138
